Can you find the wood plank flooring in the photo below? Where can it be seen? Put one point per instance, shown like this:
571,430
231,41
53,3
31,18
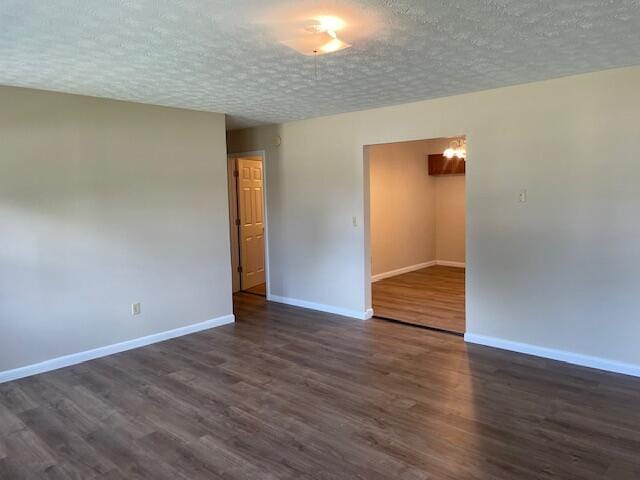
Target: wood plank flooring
288,393
432,297
260,289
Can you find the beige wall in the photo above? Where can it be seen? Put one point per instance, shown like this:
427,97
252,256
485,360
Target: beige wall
450,218
103,204
410,223
402,207
558,272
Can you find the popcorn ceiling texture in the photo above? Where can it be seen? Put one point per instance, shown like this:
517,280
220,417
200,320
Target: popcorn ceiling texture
210,54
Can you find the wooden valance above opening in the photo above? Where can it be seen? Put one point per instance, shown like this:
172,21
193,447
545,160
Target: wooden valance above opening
441,165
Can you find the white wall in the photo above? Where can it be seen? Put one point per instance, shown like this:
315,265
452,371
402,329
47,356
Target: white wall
103,204
560,271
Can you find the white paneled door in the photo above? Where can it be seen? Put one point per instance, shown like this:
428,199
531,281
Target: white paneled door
251,213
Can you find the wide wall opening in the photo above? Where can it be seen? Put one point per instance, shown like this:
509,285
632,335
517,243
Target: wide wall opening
416,195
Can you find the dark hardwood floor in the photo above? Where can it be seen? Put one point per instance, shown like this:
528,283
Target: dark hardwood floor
288,393
432,297
260,289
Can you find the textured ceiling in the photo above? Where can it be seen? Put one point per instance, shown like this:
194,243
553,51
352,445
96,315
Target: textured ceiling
214,55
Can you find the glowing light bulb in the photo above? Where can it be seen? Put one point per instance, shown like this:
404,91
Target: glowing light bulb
330,23
333,46
449,153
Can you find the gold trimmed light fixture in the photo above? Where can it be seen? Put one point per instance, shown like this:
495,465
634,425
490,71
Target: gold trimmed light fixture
457,148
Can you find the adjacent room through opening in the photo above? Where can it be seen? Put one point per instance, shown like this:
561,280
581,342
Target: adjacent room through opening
417,232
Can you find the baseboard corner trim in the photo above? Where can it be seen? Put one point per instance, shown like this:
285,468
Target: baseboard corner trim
365,315
448,263
554,354
85,356
400,271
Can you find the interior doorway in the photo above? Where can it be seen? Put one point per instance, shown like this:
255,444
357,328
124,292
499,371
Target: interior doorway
417,231
247,223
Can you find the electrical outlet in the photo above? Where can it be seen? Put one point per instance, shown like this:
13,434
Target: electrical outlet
136,309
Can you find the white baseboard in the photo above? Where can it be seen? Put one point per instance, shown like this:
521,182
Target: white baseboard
553,354
80,357
413,268
366,315
447,263
400,271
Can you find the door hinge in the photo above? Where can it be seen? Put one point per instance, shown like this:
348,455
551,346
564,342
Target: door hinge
235,173
239,269
237,221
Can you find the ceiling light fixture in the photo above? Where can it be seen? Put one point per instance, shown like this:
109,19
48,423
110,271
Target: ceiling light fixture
330,23
319,36
457,148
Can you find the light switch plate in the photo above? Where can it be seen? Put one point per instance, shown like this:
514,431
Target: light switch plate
523,196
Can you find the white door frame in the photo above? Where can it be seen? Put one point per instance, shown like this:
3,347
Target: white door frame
263,155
